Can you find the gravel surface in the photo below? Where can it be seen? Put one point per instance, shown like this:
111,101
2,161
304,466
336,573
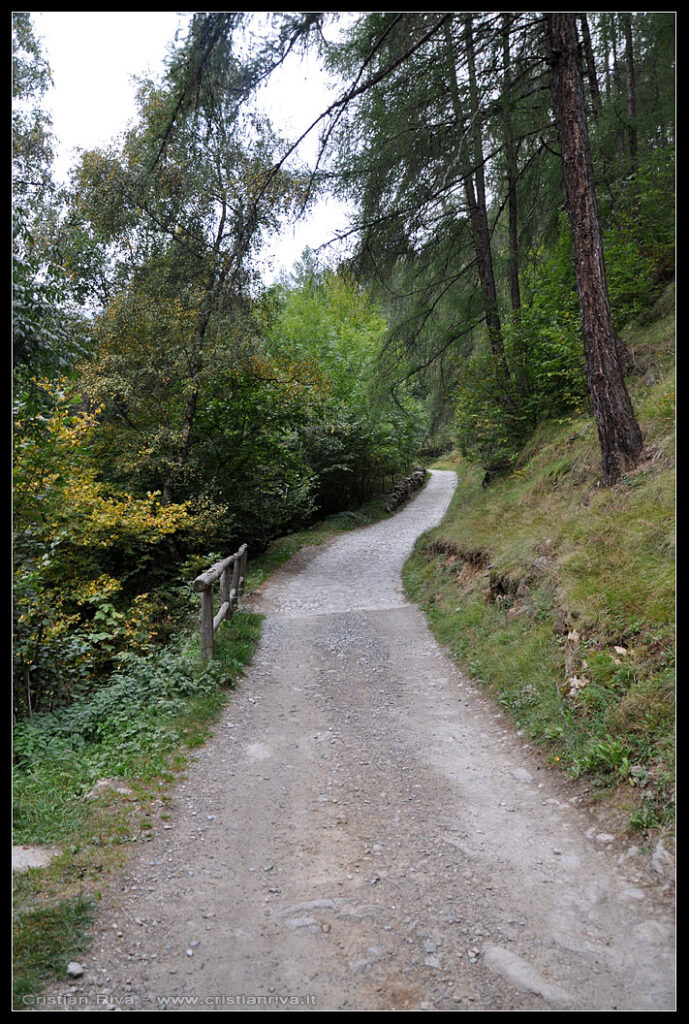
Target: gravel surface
366,832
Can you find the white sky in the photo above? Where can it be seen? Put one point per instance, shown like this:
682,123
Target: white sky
93,56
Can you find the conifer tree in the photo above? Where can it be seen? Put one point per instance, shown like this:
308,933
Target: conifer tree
618,431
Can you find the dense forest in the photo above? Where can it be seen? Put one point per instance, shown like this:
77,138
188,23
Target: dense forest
511,177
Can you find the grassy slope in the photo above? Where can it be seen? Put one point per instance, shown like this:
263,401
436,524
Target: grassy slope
557,595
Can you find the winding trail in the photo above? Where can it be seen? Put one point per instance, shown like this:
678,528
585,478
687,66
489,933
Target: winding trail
365,832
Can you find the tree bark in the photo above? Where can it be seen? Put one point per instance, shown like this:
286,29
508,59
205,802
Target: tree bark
605,36
480,214
631,94
590,67
618,431
474,191
511,164
615,61
184,446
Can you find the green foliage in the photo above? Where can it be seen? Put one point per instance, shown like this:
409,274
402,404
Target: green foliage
543,344
31,129
45,336
126,727
608,755
244,466
74,540
413,181
193,402
544,353
185,392
654,45
203,413
45,331
640,239
355,436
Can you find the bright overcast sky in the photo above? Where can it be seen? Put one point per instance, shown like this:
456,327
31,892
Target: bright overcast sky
93,56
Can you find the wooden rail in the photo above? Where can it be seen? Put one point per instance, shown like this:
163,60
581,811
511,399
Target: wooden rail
230,592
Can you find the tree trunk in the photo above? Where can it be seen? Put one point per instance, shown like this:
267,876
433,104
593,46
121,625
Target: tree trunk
590,67
480,214
617,80
615,61
631,93
196,364
511,163
605,36
184,445
474,191
618,431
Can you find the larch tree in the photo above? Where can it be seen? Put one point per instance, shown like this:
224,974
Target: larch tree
510,165
619,434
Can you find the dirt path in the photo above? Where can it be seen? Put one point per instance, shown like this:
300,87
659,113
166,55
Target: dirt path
365,832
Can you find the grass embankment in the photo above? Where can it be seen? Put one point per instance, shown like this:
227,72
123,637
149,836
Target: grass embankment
138,731
557,595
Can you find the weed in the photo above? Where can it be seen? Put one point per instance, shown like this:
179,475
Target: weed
145,711
644,817
606,755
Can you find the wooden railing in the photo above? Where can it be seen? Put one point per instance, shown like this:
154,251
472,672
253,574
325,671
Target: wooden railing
231,589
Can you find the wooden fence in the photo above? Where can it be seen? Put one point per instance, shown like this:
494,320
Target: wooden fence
231,572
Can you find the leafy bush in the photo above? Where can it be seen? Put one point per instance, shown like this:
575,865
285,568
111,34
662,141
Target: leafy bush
354,435
75,539
545,356
125,728
146,689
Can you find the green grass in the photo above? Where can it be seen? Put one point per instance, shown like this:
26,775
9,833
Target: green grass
45,941
535,580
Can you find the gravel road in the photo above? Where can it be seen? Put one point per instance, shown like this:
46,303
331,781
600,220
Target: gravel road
365,831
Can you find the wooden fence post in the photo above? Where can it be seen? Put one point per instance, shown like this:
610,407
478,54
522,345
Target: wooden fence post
207,631
229,595
235,583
